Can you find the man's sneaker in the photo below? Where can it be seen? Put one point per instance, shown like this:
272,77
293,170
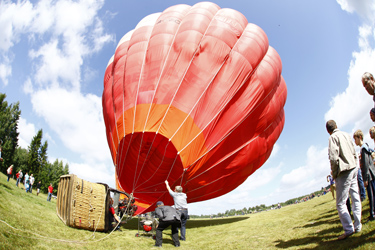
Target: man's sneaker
344,236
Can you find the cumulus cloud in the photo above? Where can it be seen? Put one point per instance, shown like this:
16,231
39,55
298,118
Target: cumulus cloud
14,20
275,150
353,105
309,176
5,72
27,132
61,35
364,8
76,118
242,196
101,173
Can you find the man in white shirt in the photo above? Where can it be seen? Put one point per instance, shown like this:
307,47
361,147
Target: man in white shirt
180,204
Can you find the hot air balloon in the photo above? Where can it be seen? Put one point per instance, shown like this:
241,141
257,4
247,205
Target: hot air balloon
193,95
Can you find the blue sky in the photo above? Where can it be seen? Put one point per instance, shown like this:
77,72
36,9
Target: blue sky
53,55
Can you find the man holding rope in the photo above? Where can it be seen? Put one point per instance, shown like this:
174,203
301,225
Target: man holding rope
180,204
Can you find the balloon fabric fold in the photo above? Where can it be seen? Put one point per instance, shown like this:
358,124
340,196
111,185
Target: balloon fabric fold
193,95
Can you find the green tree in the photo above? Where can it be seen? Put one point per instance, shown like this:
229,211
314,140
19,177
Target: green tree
20,159
9,116
34,152
50,174
43,158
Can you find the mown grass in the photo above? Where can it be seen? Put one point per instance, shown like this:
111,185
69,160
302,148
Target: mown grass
30,222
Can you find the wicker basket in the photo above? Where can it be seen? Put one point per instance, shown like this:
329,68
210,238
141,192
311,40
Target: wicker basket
82,204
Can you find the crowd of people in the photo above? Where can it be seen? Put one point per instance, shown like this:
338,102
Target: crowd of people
28,182
347,178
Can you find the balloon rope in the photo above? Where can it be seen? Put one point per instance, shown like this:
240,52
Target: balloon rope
161,73
174,95
113,103
238,149
153,97
148,152
120,162
187,69
165,149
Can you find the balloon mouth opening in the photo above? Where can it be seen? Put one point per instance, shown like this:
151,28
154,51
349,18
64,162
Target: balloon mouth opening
144,162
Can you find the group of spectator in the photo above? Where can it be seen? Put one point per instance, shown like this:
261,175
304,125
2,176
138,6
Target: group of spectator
348,177
28,182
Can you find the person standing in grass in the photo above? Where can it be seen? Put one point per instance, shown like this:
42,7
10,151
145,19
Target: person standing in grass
9,172
19,177
332,184
180,204
343,161
38,185
31,183
368,171
27,182
50,190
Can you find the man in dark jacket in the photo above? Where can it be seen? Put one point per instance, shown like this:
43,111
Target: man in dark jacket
368,171
168,216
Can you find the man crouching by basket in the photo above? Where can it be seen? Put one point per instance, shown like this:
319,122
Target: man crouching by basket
167,217
113,218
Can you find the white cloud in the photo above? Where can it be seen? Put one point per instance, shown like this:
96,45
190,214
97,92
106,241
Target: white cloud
14,19
61,35
28,86
307,178
56,67
27,132
242,196
353,105
96,173
275,150
76,118
5,72
364,8
62,42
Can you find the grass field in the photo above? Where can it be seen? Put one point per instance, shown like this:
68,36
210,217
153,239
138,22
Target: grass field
28,221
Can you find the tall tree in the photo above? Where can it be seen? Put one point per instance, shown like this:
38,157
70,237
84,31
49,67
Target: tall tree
34,154
9,116
20,159
43,158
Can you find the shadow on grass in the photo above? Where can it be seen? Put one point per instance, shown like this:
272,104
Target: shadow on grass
327,239
213,222
321,222
133,223
317,205
5,186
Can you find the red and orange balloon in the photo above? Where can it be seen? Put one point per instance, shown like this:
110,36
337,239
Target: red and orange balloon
193,95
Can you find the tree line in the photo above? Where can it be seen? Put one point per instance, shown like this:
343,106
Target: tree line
34,159
263,207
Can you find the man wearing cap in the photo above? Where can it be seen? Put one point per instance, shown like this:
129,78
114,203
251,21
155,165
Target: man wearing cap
168,216
180,203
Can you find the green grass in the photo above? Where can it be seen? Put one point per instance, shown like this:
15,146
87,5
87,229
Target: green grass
30,222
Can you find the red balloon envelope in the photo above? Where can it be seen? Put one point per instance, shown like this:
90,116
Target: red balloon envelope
193,95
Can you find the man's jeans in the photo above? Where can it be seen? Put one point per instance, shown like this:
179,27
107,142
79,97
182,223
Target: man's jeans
361,185
347,183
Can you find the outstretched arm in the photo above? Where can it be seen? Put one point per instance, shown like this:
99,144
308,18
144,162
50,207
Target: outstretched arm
168,187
